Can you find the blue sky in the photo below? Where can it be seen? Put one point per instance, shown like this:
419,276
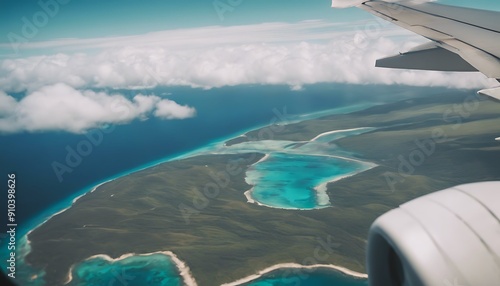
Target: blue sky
94,18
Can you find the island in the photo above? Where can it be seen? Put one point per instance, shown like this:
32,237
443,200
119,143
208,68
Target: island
198,210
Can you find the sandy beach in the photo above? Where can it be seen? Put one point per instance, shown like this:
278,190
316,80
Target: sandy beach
184,270
248,195
262,159
322,198
335,131
295,265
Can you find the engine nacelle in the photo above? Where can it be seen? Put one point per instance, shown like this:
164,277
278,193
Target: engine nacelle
448,238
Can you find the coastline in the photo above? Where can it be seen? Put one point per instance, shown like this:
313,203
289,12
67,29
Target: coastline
321,189
262,159
267,270
64,209
88,190
184,270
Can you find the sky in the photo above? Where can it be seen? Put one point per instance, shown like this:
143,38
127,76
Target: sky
94,18
77,54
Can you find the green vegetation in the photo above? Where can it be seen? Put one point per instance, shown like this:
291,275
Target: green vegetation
223,238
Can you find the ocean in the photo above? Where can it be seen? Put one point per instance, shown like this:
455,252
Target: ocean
118,150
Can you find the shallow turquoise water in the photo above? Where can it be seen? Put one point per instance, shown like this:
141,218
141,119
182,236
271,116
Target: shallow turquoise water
155,269
288,180
316,277
294,175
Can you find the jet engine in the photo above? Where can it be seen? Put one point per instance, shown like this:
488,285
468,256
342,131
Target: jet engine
448,238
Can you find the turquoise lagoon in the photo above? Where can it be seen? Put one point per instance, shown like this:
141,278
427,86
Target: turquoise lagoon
138,270
295,181
294,175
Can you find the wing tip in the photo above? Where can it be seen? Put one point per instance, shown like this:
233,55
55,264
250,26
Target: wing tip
346,3
491,92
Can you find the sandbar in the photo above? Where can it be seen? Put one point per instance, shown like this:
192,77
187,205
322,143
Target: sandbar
295,265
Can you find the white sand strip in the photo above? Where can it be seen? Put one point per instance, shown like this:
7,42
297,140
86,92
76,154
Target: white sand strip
295,265
336,131
322,198
262,159
251,200
248,195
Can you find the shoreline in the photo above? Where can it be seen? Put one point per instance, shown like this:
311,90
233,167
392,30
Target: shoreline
322,188
85,191
182,267
266,156
65,209
267,270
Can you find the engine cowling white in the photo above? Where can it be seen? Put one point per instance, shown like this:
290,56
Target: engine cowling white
449,238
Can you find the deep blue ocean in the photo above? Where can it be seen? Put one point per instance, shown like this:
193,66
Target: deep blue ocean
221,113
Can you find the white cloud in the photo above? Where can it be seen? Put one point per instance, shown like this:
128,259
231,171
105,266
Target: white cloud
248,55
63,108
7,104
168,109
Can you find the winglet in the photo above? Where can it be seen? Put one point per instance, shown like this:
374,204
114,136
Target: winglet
346,3
491,92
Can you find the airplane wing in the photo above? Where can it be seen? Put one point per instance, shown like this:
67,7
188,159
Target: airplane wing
463,39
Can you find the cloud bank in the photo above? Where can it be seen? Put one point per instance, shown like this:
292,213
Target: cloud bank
291,64
61,107
274,53
59,86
